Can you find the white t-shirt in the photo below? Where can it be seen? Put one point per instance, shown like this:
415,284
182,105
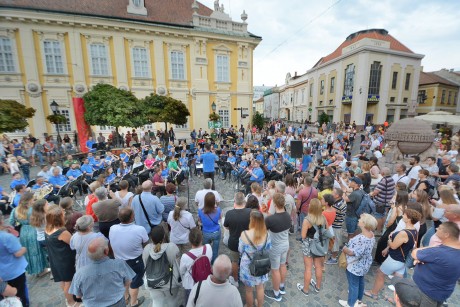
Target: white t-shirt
375,144
378,154
413,174
180,229
186,263
403,178
199,197
402,225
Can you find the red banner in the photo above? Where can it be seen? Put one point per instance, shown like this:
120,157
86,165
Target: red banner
83,128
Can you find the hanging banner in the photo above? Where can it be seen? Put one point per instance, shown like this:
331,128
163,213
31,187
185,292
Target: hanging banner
83,128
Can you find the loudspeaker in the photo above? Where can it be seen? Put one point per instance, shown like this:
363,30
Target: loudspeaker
296,149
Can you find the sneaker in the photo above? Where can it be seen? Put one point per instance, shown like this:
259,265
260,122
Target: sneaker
282,290
271,295
233,281
300,288
313,284
332,261
343,303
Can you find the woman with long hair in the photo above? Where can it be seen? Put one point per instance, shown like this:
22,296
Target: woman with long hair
400,244
38,220
181,222
422,198
254,239
291,185
366,177
21,215
394,216
81,238
61,257
314,218
374,171
124,196
154,251
209,217
359,259
70,216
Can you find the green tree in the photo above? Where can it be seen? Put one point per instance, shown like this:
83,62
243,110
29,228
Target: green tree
107,105
164,109
258,120
56,119
323,118
14,115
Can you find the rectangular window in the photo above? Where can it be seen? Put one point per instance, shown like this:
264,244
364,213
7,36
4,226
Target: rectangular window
394,82
443,97
99,61
53,57
185,126
320,102
405,99
65,127
6,55
148,127
406,87
449,97
421,96
177,65
349,80
225,118
303,95
141,63
106,128
311,89
321,88
374,79
332,89
223,72
330,101
392,99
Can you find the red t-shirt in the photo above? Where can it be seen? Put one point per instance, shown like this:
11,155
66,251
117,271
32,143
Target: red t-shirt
305,195
89,207
330,217
156,179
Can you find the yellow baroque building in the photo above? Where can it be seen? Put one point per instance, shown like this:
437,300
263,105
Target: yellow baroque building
57,50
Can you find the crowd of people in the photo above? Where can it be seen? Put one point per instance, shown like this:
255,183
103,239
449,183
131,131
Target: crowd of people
134,229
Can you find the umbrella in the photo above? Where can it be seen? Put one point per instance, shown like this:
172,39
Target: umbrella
440,117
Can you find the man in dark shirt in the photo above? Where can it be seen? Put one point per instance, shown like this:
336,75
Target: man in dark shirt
236,221
353,201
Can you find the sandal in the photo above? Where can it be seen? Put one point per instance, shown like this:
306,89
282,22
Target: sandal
389,300
368,293
128,299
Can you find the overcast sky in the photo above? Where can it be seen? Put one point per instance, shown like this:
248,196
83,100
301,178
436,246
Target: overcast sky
297,33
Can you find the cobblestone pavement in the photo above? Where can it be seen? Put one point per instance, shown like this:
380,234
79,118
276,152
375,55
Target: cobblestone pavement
45,292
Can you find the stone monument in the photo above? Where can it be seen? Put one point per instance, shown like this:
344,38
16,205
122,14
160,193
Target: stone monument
409,136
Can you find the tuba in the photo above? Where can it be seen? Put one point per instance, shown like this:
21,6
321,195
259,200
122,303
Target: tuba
43,191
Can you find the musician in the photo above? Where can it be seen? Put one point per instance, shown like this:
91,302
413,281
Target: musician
172,152
183,162
240,140
278,171
124,156
4,197
98,163
40,183
45,172
20,189
248,154
270,167
158,182
89,144
91,159
17,180
149,161
175,171
205,135
73,172
125,171
137,162
110,158
160,156
229,165
134,150
257,175
208,159
87,169
239,151
109,178
70,160
213,135
57,180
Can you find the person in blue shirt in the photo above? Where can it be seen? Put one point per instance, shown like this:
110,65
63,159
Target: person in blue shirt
208,159
89,144
20,189
51,197
183,162
306,160
124,157
87,169
91,159
17,180
260,157
257,175
239,152
278,142
58,181
73,172
110,158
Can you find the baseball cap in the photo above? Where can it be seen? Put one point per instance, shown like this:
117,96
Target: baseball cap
407,291
356,180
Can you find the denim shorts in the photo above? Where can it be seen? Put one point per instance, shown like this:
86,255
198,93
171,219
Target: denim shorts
351,222
137,265
391,266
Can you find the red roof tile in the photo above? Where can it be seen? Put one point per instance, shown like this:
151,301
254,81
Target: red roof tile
379,34
432,78
177,12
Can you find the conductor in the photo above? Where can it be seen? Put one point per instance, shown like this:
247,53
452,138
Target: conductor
208,159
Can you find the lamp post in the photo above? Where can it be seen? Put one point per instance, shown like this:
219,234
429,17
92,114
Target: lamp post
55,107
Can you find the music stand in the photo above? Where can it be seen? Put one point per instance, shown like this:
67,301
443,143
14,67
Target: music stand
30,183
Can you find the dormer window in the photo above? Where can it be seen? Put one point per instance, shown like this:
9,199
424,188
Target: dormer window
137,7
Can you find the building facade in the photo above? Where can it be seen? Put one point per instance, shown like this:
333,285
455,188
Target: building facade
436,93
57,50
454,77
371,76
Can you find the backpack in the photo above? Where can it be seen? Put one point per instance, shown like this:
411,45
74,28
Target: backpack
201,267
260,261
366,205
158,272
319,244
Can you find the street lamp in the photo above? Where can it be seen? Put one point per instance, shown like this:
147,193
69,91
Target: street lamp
213,107
55,107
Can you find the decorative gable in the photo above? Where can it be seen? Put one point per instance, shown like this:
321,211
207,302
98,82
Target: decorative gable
137,7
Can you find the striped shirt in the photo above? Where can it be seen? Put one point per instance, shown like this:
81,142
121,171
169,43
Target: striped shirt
386,188
340,211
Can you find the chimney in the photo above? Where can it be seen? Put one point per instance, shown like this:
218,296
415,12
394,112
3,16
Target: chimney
295,74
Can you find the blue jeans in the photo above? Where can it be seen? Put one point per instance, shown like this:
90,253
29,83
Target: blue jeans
40,157
352,224
212,238
355,288
426,238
